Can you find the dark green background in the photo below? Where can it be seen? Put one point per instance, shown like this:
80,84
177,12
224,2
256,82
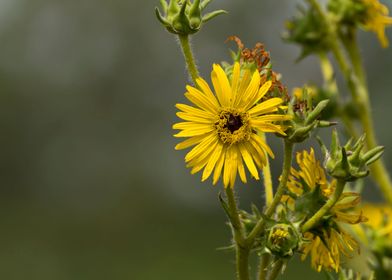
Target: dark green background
90,184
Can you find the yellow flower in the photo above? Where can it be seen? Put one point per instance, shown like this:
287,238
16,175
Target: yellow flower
223,126
326,248
327,241
377,20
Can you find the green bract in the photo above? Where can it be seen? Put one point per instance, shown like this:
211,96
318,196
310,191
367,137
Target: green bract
308,30
305,118
184,17
283,240
349,162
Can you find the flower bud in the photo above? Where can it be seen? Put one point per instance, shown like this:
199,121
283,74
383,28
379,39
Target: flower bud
283,239
184,17
349,162
308,30
306,118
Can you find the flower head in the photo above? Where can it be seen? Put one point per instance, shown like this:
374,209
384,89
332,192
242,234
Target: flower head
223,126
376,19
308,191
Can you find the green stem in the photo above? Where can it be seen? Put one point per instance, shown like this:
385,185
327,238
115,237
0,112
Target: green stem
242,260
331,86
276,270
269,193
242,252
189,58
264,261
360,95
349,40
288,154
318,216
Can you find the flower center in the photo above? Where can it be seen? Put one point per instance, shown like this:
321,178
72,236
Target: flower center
233,123
232,126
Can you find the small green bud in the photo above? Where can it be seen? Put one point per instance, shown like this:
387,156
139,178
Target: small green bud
184,17
305,118
283,240
349,162
308,30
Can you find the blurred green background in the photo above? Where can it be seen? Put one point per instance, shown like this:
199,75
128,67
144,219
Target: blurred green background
91,187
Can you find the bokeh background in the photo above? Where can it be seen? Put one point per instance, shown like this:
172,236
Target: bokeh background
90,184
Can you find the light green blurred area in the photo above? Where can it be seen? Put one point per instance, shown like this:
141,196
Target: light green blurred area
90,184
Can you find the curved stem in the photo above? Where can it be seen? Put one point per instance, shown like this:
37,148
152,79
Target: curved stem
288,155
242,252
189,58
316,218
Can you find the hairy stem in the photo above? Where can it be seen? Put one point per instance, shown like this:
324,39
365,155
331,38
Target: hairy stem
316,218
288,155
277,268
242,252
264,262
189,58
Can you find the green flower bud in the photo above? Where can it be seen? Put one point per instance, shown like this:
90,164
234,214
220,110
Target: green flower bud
283,239
184,17
349,162
306,118
308,30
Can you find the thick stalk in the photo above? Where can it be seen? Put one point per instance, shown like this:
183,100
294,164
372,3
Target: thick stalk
288,154
189,58
317,217
242,252
276,270
264,262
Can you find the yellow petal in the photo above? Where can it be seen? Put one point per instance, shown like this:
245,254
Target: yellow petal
202,147
251,90
207,91
261,92
189,142
200,100
212,161
221,85
219,166
268,106
235,79
249,162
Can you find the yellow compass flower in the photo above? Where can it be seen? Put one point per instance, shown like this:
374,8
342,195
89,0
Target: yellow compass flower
223,126
328,240
377,20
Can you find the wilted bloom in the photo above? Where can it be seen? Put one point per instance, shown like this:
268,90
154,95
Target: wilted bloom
223,126
309,189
